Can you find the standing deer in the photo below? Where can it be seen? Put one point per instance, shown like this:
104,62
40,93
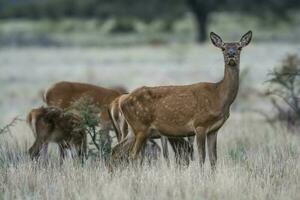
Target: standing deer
51,124
176,111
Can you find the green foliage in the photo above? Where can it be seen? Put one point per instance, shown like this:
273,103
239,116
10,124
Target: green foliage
88,113
147,11
54,9
123,25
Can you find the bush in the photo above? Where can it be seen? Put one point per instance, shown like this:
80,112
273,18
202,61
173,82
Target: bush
284,92
100,140
123,26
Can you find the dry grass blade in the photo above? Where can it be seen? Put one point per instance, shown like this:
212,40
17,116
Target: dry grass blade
12,123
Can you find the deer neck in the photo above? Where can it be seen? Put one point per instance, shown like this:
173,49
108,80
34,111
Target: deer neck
228,86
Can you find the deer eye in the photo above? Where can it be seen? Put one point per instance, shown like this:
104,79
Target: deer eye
239,48
223,48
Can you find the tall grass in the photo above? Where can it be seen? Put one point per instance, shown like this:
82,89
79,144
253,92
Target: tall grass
255,162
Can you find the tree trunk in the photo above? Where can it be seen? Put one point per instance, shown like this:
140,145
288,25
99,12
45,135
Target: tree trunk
200,9
201,20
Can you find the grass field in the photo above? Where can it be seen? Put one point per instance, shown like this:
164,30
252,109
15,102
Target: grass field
255,161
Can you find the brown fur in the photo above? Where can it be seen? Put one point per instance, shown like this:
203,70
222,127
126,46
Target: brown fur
51,124
177,111
63,94
183,149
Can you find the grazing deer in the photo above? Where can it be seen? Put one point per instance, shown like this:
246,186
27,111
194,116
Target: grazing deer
64,94
51,124
176,111
183,149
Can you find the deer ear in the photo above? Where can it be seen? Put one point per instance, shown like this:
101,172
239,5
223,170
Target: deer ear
216,40
246,39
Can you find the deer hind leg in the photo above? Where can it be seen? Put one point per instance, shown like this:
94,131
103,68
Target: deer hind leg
164,144
181,149
140,139
201,136
212,148
191,145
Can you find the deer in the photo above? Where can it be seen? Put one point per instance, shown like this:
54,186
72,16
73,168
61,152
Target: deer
52,124
183,149
63,94
198,109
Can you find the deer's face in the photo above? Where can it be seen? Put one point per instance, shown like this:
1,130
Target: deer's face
231,50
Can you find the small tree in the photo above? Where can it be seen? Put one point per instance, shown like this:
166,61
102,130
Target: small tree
90,121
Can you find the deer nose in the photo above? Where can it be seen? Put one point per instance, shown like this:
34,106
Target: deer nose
231,53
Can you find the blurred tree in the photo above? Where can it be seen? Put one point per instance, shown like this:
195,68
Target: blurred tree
284,92
167,10
265,9
201,10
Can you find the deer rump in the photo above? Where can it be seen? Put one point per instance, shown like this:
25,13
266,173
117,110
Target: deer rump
182,148
52,125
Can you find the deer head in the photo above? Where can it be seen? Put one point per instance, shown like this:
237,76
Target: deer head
231,50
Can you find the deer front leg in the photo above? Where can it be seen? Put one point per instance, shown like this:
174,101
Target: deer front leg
212,148
200,136
35,149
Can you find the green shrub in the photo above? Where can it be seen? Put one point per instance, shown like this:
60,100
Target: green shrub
100,140
284,92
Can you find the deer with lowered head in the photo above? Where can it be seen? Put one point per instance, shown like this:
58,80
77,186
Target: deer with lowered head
63,94
199,109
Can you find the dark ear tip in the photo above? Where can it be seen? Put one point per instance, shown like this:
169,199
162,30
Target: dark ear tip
212,33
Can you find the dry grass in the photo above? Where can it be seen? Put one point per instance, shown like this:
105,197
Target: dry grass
255,162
